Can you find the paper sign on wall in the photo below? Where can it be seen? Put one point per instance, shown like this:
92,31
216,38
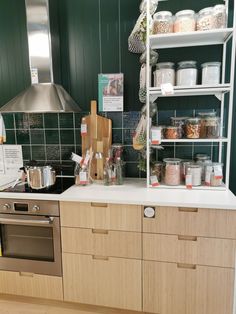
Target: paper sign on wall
111,92
11,159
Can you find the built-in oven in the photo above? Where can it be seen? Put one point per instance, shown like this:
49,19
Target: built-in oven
30,236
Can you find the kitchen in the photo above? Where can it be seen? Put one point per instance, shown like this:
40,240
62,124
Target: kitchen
108,247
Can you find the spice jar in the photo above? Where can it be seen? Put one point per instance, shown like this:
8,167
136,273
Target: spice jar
162,22
187,73
220,16
185,21
193,128
196,173
172,132
211,73
172,171
205,19
180,123
203,160
210,127
156,170
165,73
214,174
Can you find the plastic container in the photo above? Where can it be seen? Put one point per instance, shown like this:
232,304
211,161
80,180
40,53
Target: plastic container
180,123
210,127
205,20
211,72
156,170
193,128
163,22
172,132
214,175
187,73
165,73
185,21
220,16
172,171
196,172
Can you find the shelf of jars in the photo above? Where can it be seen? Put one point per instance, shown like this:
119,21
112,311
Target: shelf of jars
183,187
200,140
191,39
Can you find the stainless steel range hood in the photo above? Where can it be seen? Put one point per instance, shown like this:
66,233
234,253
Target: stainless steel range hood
43,95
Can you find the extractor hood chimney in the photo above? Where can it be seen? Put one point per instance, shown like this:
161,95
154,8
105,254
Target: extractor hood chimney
43,95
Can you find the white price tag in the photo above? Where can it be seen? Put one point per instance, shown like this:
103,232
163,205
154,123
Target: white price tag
156,136
189,181
218,172
208,178
76,158
167,89
84,129
83,177
154,181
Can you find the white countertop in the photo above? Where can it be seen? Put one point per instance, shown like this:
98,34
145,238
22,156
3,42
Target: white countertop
135,192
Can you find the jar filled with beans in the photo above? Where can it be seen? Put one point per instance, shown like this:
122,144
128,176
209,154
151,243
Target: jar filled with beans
180,123
172,132
193,128
205,19
172,171
163,22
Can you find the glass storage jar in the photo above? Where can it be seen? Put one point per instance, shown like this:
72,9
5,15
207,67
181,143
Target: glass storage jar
210,127
172,132
203,160
163,22
214,174
220,16
184,165
211,73
193,128
185,21
196,172
187,73
156,170
179,122
172,171
165,73
205,20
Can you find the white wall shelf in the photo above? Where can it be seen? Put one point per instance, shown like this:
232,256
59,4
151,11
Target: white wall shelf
200,140
183,187
203,38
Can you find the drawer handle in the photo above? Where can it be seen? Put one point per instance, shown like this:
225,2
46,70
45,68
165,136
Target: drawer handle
187,266
100,231
188,210
99,205
101,258
25,274
187,238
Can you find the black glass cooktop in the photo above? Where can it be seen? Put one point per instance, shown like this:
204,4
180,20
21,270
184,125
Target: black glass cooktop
62,184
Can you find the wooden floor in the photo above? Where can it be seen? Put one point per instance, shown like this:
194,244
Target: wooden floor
21,305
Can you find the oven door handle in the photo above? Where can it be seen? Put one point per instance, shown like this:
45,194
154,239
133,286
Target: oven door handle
27,222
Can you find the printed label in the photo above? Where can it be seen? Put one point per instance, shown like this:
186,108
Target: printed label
189,181
156,136
84,130
83,177
154,181
218,172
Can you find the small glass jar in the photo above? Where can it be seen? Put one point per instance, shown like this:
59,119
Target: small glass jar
193,128
156,170
211,72
180,123
196,172
172,132
210,127
203,116
205,19
165,73
220,16
187,73
163,22
203,160
214,174
185,21
172,171
184,166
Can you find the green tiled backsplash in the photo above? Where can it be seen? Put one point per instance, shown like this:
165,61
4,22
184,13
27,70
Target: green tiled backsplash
53,137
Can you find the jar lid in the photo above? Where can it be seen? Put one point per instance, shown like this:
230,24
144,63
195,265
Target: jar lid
206,10
165,65
202,157
172,160
194,166
187,64
219,7
179,118
185,12
193,120
207,114
217,164
158,163
163,13
211,64
186,161
212,118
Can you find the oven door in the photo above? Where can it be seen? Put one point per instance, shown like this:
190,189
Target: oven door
30,244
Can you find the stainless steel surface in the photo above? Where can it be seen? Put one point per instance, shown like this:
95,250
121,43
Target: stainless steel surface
26,222
44,95
40,177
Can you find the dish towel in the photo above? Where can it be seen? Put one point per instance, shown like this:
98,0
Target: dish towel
2,130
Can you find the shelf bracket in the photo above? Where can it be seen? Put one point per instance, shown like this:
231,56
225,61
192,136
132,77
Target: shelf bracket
219,96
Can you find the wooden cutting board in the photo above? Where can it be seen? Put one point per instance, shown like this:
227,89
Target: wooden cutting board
98,137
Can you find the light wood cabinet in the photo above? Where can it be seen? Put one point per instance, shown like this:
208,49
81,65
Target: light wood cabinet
32,285
192,221
101,216
170,288
102,242
112,282
189,250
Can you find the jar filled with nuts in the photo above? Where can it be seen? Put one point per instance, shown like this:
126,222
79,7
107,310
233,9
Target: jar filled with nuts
210,127
220,16
172,171
185,21
179,122
205,19
193,128
172,132
163,22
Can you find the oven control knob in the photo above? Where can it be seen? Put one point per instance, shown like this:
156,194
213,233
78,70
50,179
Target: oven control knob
35,208
6,206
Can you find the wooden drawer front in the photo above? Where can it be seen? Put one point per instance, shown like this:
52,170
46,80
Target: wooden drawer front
101,216
31,285
112,282
200,222
169,289
189,250
101,242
